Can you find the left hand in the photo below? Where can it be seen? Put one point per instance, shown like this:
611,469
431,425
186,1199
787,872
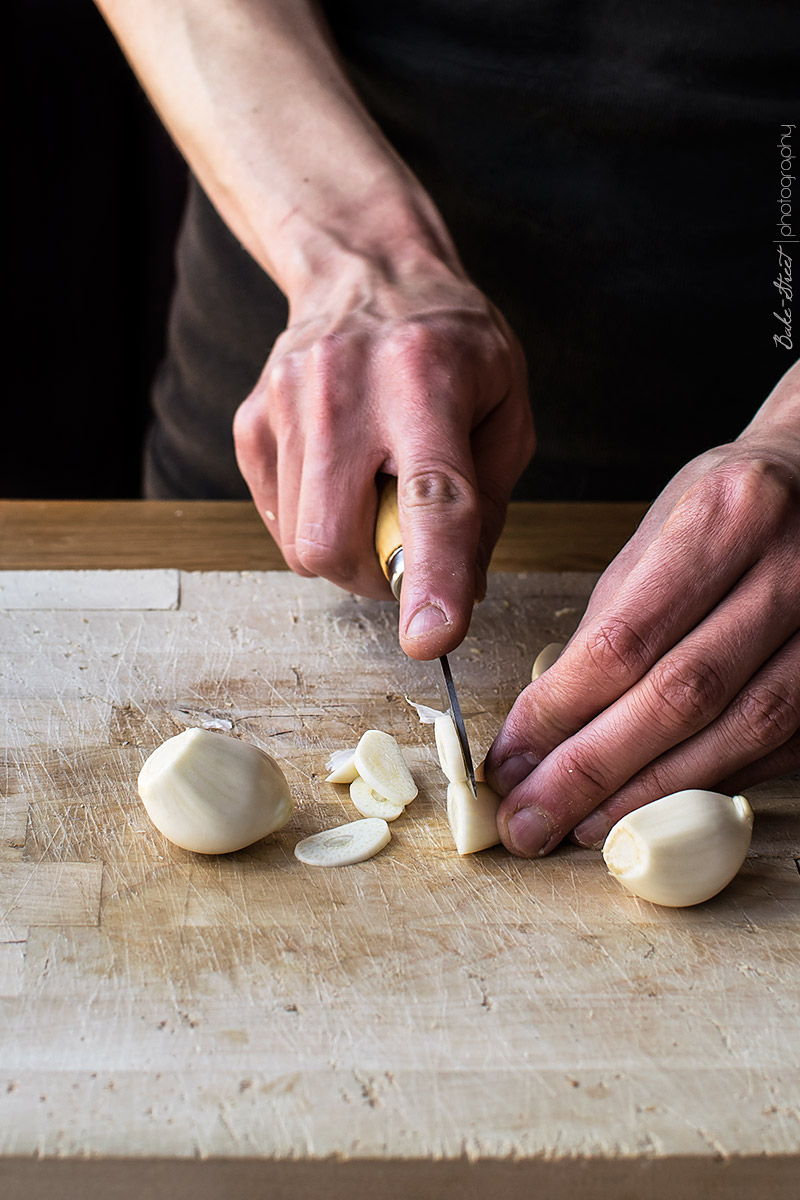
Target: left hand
685,669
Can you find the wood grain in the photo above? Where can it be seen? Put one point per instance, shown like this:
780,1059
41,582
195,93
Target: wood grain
419,1023
199,535
50,893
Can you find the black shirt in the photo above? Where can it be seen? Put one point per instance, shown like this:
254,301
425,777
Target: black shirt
609,172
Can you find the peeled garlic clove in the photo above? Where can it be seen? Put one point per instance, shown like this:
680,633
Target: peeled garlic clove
448,748
545,659
682,849
211,793
379,760
473,819
370,804
344,845
342,767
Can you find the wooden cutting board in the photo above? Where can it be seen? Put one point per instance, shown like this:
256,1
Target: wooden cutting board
425,1024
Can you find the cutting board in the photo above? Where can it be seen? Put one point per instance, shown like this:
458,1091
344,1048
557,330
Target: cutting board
427,1024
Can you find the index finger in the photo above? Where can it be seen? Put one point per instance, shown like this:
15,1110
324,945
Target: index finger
691,565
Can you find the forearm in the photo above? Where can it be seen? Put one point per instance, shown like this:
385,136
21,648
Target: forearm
255,98
779,415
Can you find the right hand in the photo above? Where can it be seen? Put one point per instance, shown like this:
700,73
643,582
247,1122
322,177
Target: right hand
417,376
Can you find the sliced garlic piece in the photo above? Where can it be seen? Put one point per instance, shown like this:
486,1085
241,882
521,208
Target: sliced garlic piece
379,761
448,748
370,804
211,793
342,767
426,714
545,659
473,819
681,849
344,845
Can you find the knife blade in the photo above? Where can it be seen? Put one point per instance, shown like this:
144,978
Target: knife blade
389,548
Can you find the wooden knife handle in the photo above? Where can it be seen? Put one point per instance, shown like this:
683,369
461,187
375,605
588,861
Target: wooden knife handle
388,540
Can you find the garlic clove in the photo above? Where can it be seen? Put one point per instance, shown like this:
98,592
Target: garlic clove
370,804
379,761
344,845
681,849
342,767
213,794
473,819
545,659
448,748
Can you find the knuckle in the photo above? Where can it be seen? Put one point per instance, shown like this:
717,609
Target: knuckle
756,486
752,489
616,648
316,550
433,488
283,375
414,338
244,425
588,779
770,712
535,722
322,550
659,779
289,552
324,356
690,692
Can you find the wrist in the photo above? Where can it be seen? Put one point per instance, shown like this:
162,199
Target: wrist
392,234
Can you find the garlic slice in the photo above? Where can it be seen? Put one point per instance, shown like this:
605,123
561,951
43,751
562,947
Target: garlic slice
426,714
344,845
681,849
342,767
379,761
370,804
211,793
473,819
448,748
545,659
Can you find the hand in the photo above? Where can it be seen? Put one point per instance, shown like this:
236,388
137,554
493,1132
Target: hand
416,376
685,669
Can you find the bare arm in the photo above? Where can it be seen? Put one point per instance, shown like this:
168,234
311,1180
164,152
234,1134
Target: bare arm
392,361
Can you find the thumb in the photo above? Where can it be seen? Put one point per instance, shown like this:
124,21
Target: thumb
440,521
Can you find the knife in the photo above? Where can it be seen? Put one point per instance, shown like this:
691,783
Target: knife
389,548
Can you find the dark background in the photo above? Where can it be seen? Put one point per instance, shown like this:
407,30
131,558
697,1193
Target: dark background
97,192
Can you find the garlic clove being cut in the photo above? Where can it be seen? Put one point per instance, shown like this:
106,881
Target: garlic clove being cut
448,748
342,767
473,819
345,845
370,804
681,849
379,761
545,659
212,794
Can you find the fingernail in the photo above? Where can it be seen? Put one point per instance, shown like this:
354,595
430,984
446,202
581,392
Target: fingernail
592,830
513,771
529,830
425,620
